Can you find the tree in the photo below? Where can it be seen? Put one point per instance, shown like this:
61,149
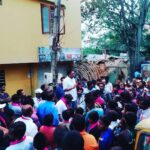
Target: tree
126,18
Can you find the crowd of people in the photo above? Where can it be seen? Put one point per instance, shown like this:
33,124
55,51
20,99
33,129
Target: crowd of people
75,115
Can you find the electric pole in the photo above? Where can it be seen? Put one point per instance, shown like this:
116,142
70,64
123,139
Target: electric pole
56,38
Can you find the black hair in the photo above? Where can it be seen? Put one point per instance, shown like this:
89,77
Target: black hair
96,93
43,87
79,111
131,107
59,134
17,130
19,92
61,79
107,79
94,82
126,97
28,100
73,141
71,111
89,100
131,119
68,97
89,84
93,116
78,123
27,111
145,103
116,86
15,98
112,105
113,115
48,120
39,141
66,115
69,71
106,120
47,95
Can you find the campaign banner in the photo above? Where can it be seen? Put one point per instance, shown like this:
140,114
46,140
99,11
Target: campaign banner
65,54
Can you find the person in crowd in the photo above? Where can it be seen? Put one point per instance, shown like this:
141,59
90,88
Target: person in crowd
93,125
108,85
122,88
106,134
66,118
59,134
45,87
115,90
130,107
90,87
90,103
28,100
59,91
78,124
48,107
94,84
73,141
140,87
37,99
80,98
48,130
16,105
99,101
101,89
97,84
145,106
79,111
124,133
114,116
31,128
4,141
18,138
69,86
39,142
108,88
63,104
3,122
4,97
9,116
21,94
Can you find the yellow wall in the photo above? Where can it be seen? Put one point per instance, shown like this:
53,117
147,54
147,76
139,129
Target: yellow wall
16,77
21,33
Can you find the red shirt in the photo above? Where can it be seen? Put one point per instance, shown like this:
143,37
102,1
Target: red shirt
48,131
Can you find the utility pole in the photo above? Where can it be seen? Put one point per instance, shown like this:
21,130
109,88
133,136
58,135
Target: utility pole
56,40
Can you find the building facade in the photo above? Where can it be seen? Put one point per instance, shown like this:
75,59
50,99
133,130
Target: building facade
25,27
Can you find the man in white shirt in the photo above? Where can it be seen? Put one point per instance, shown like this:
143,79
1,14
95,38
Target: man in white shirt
63,104
69,86
19,140
31,128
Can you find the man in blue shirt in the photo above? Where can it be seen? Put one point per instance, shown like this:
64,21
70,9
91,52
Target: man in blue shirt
59,92
48,107
106,135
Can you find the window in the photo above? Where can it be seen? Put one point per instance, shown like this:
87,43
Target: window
0,2
2,77
47,15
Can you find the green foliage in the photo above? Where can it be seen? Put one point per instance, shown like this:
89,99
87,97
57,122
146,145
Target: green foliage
125,18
